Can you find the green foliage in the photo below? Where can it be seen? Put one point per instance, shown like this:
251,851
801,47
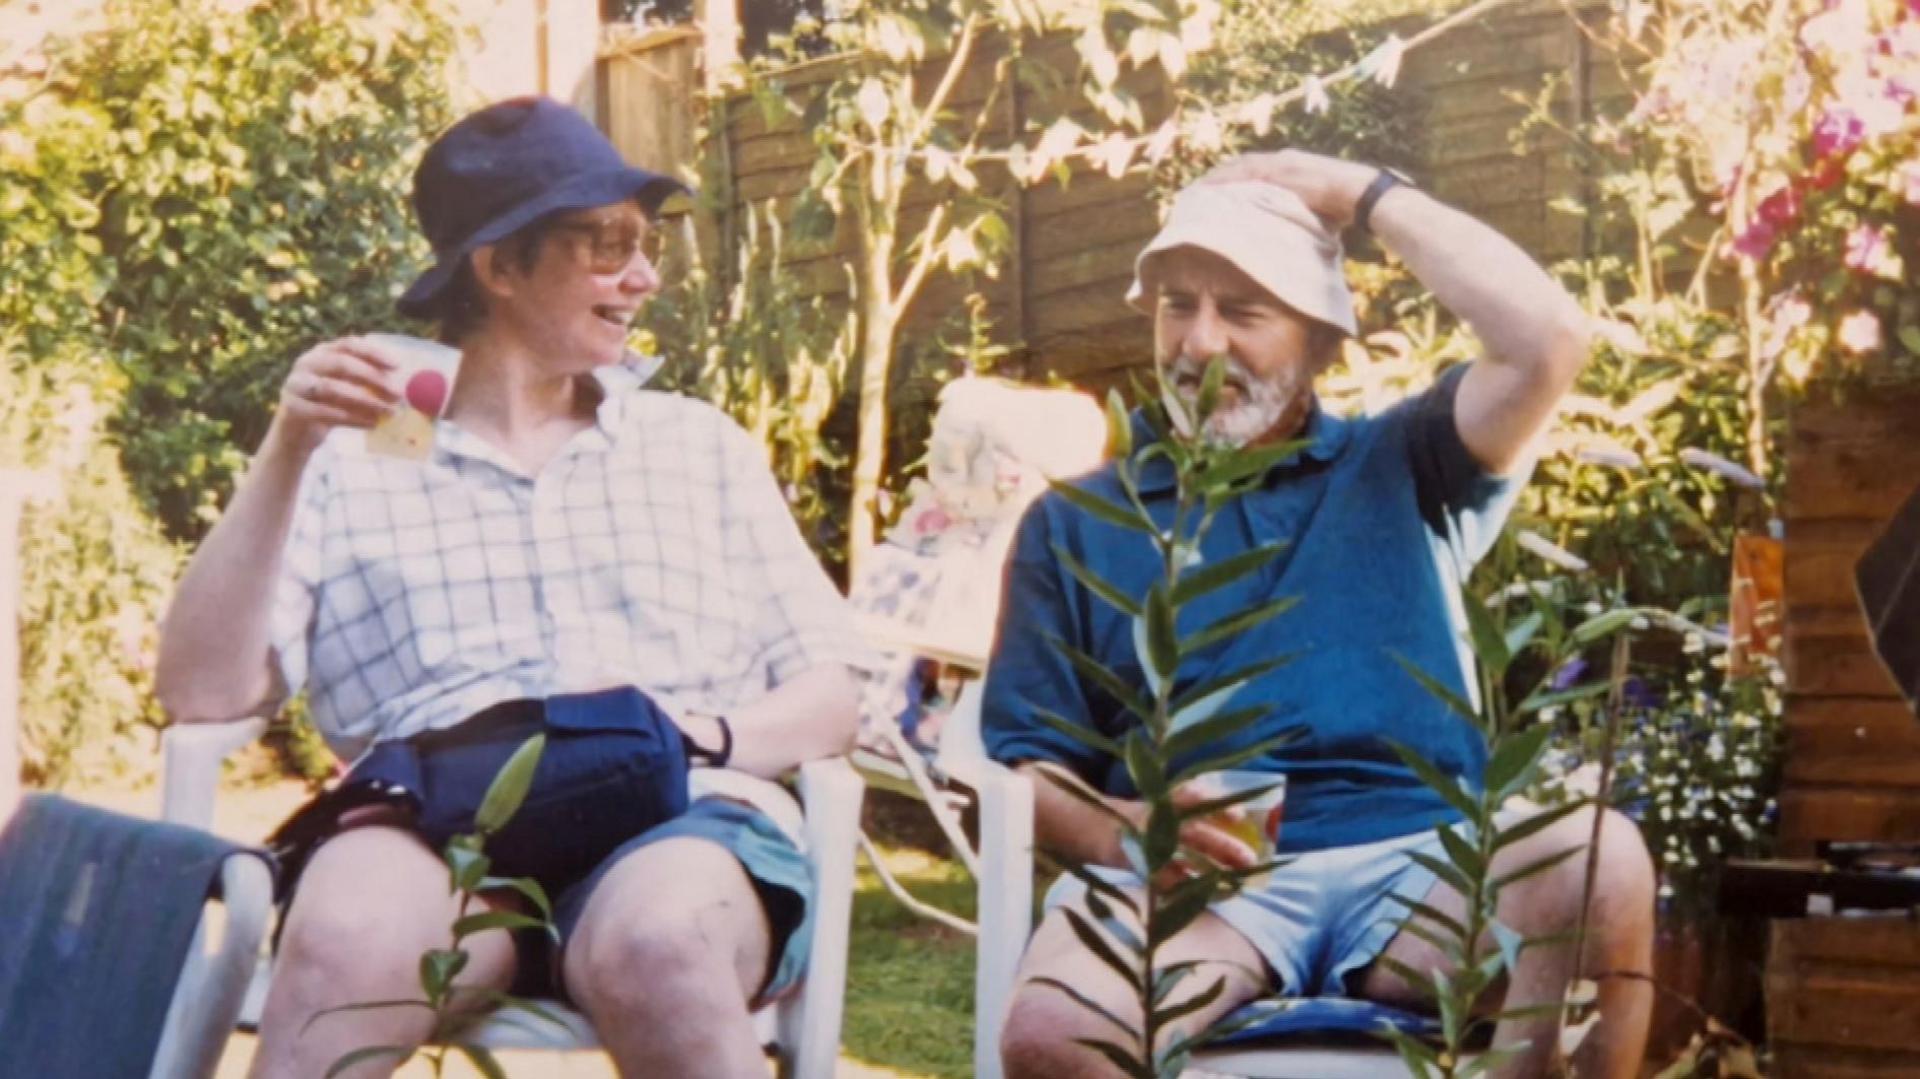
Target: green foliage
202,192
456,1008
744,337
1478,951
93,574
1178,735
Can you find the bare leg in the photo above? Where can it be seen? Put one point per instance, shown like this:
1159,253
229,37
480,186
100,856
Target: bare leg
671,948
1619,938
1038,1042
371,901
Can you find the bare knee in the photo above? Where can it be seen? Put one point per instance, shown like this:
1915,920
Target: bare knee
1038,1040
646,958
365,909
1624,879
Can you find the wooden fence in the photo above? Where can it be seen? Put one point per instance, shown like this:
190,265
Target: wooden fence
1059,294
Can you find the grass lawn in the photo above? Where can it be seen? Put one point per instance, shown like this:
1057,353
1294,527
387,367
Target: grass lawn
910,981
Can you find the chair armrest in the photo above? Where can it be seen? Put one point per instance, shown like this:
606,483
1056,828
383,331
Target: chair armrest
193,752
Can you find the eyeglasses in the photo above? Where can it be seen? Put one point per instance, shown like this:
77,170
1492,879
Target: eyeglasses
611,245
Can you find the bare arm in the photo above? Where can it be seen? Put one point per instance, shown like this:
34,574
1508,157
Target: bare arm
1536,336
805,718
215,658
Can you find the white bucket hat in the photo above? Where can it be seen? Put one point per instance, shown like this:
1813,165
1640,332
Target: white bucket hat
1268,233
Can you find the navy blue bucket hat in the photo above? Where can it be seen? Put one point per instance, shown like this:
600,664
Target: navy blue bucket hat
506,166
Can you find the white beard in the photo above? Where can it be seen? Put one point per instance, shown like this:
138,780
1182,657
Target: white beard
1259,406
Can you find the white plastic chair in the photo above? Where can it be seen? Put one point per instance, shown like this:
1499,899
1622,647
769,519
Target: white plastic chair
803,1029
1005,801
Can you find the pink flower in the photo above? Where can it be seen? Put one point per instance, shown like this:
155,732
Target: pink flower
1860,333
1868,250
1754,242
1781,208
1836,134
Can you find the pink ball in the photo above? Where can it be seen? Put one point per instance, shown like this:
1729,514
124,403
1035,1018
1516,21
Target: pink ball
427,391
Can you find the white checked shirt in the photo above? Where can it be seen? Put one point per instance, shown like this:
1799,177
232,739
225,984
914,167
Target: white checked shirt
653,550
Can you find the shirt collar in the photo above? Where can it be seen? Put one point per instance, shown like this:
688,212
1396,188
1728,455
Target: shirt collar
617,383
1325,434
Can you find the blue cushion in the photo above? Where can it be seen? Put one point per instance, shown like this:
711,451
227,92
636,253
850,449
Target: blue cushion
1305,1018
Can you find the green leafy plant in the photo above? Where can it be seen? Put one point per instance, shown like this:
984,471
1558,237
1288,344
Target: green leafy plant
458,1008
1180,729
1477,948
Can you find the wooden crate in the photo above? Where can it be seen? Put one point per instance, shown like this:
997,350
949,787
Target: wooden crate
1843,998
1843,994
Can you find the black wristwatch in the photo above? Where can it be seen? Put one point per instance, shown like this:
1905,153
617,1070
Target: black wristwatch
1384,181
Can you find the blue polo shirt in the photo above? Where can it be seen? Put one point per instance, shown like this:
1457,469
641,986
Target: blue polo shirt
1383,517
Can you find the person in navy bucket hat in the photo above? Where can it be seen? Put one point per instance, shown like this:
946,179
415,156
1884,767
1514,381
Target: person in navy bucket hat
506,166
576,555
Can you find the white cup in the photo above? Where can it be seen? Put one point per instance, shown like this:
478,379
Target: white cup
424,380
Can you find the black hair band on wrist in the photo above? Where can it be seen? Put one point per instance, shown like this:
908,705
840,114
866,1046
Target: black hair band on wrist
712,758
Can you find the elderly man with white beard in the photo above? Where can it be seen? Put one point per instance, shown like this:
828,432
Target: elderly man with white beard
1383,517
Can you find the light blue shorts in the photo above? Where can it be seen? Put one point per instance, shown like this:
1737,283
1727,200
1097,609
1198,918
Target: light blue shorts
1322,915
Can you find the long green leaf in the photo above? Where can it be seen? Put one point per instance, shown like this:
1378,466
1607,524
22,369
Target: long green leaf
1101,509
1162,840
1095,583
1432,914
1444,870
1163,641
1117,1055
1227,761
1079,732
1077,787
1488,643
1546,818
526,886
438,968
1511,944
1236,625
1247,464
1178,912
510,787
1440,783
1462,854
1101,948
1522,633
1086,1002
362,1006
467,867
1454,702
400,1054
1097,673
1193,1004
1119,427
494,919
1536,701
1144,767
1214,576
483,1060
1538,867
1232,680
1513,759
1605,624
1198,736
1420,1059
1108,892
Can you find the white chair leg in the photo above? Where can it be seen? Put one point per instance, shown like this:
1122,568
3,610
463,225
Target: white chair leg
1005,899
207,998
830,792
